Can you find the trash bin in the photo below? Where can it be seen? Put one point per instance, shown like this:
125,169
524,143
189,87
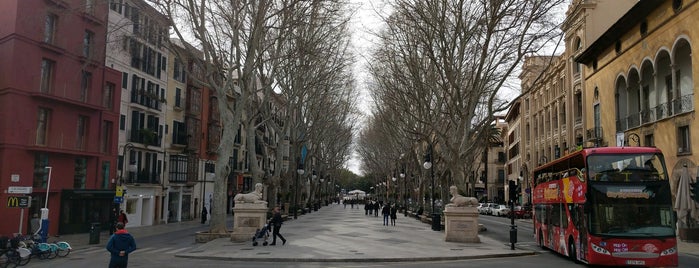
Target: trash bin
95,233
436,222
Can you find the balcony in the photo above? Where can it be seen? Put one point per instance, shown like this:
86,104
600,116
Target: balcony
145,136
594,134
683,104
143,177
664,110
633,120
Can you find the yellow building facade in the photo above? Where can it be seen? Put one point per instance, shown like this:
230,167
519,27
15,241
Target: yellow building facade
639,82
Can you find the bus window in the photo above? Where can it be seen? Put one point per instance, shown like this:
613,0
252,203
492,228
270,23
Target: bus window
539,213
631,210
556,215
625,167
572,208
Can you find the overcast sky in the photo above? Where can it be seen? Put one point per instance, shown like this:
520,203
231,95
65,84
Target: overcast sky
367,22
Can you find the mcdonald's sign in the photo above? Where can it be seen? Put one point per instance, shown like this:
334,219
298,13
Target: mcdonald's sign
18,201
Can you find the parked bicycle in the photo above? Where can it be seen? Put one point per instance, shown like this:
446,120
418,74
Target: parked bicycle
10,253
45,250
36,248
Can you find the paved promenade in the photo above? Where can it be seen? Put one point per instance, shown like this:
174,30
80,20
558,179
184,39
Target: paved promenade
338,234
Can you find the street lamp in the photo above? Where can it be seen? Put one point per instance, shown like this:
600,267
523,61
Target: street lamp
299,172
436,220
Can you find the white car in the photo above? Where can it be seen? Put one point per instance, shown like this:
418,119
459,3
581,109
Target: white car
484,208
489,208
500,210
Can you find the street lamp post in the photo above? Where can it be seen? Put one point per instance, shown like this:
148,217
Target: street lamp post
299,172
120,189
209,175
312,202
44,227
436,219
405,197
321,185
394,190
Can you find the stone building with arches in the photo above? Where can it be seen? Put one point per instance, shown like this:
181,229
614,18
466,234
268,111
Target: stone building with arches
639,81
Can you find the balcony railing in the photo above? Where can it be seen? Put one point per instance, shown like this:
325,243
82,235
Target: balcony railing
662,111
683,104
594,134
647,116
634,120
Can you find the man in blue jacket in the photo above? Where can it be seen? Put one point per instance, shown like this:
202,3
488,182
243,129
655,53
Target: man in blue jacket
120,245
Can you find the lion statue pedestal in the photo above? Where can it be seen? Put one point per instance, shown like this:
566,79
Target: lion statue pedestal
249,214
461,219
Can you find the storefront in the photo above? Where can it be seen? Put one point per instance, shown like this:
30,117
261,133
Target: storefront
82,208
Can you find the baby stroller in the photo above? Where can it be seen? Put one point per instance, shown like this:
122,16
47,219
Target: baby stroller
261,234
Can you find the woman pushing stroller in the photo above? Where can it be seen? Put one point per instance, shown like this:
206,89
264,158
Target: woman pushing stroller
276,223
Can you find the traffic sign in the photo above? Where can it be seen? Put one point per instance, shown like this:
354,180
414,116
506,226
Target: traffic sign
118,200
19,190
119,191
18,201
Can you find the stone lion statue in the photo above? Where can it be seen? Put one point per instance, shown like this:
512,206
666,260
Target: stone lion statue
251,197
458,200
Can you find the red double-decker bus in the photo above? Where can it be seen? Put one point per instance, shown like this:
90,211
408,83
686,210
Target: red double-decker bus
609,206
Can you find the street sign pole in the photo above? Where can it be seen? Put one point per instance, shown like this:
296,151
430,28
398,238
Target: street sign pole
21,220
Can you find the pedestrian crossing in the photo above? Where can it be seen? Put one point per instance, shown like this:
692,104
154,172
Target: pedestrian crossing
138,251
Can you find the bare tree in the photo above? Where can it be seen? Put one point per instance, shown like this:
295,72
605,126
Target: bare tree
441,65
248,51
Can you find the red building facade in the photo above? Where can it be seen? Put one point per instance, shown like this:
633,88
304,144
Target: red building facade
59,108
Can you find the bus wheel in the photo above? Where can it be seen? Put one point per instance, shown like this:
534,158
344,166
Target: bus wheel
571,250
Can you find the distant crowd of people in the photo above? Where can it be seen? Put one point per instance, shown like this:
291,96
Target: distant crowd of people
371,207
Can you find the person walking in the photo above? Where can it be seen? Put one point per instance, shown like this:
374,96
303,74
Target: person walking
394,212
203,215
376,208
34,224
276,223
386,212
120,245
122,218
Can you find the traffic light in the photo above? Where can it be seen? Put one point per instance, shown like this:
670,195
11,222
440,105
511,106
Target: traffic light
694,191
512,190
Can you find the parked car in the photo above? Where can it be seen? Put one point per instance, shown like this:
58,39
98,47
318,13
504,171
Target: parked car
480,208
500,210
485,209
521,213
491,207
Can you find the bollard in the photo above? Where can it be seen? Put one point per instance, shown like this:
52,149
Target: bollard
436,222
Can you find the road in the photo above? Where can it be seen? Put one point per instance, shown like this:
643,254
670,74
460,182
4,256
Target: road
499,227
159,251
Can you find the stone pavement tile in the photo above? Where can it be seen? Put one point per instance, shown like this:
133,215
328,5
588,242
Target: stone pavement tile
346,235
687,247
79,241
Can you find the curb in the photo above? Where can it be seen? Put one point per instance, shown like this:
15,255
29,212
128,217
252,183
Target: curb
357,260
